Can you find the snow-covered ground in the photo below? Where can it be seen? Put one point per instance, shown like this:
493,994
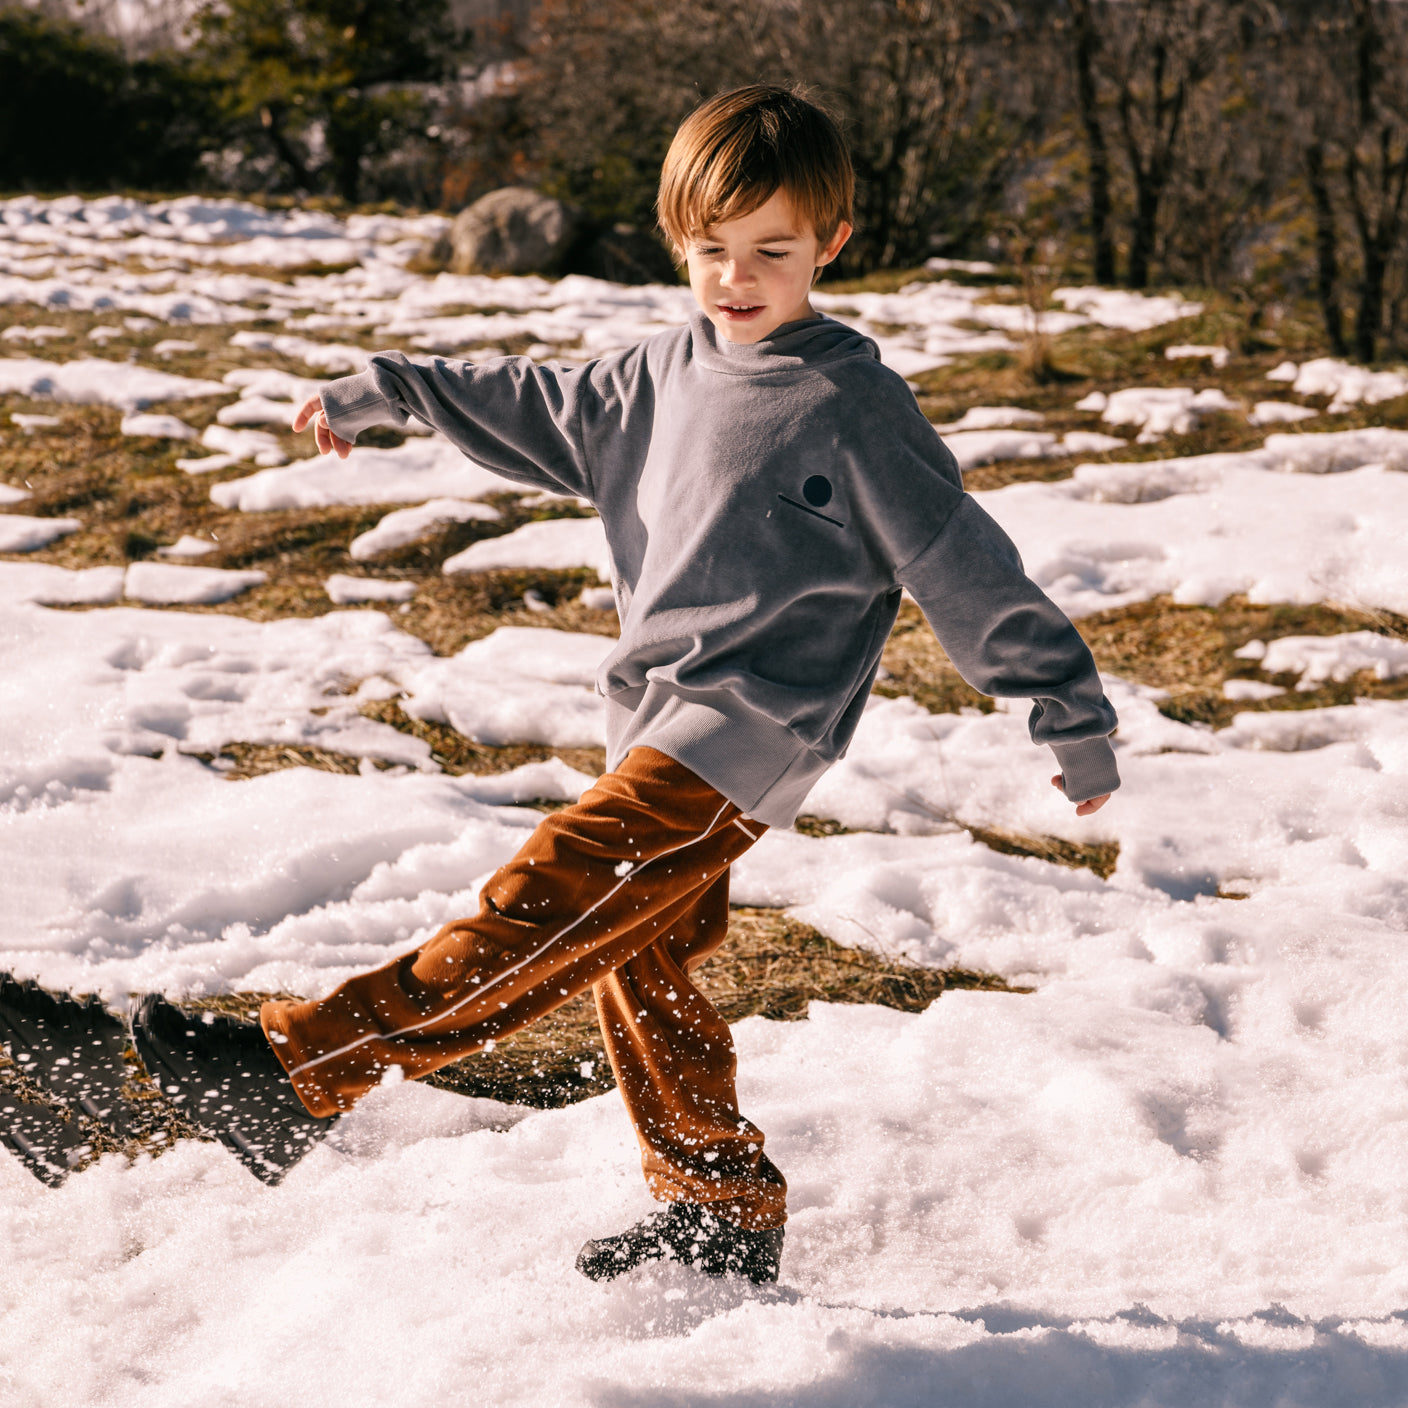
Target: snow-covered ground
1176,1174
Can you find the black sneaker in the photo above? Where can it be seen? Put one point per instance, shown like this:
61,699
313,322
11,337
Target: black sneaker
223,1075
688,1233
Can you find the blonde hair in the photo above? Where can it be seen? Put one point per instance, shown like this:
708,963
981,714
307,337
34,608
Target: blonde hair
732,154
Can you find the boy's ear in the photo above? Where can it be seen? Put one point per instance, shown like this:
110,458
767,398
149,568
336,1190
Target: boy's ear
835,244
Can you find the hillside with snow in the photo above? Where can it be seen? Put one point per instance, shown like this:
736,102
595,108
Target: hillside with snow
1176,1172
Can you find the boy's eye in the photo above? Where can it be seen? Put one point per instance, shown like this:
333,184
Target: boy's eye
774,253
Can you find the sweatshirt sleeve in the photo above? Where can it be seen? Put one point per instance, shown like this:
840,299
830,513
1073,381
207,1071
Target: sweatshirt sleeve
521,420
1008,639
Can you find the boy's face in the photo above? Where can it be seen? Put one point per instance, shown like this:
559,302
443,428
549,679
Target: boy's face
753,274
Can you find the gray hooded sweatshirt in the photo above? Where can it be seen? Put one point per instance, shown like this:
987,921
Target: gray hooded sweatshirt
764,505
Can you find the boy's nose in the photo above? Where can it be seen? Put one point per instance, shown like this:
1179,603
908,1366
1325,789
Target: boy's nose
737,272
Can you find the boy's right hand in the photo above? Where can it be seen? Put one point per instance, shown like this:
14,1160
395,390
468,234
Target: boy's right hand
311,413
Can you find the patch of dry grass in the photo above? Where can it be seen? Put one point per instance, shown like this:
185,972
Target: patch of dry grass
916,666
1190,652
133,500
1187,650
1101,857
1104,359
771,966
458,754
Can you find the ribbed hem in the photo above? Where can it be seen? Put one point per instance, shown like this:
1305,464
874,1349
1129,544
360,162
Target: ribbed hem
757,763
1088,768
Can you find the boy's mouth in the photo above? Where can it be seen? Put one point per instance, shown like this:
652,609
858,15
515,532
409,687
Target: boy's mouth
740,312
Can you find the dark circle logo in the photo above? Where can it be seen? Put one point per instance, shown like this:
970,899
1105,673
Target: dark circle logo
817,491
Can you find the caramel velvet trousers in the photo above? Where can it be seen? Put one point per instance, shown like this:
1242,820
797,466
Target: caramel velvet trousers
626,893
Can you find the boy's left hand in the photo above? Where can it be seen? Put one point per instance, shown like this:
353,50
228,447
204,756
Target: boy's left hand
311,413
1082,808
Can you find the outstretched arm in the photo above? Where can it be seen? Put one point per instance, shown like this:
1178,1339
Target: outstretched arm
521,420
1007,638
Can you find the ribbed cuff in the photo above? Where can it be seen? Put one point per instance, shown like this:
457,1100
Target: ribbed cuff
353,404
1087,768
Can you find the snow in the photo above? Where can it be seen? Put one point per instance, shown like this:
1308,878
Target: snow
1279,412
414,472
551,542
331,357
1089,442
598,599
1337,450
1173,1174
1160,411
974,447
94,380
166,584
187,546
1241,690
345,590
960,266
1348,385
1319,658
162,427
517,685
20,533
1182,351
48,585
990,418
1198,528
405,525
1134,312
233,447
20,333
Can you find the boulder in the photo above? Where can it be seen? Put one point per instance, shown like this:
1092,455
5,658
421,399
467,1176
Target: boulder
514,230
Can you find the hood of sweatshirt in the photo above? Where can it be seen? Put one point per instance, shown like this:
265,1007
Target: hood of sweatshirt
793,347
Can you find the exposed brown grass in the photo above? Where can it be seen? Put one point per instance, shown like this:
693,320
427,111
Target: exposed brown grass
458,754
1101,857
1093,358
914,664
1187,650
771,966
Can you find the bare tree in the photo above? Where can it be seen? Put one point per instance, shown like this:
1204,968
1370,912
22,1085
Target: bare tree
930,145
1235,196
1138,64
1085,48
613,78
1346,77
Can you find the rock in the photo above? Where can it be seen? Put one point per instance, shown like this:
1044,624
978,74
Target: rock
514,230
625,255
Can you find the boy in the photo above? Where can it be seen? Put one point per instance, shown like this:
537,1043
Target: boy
767,488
